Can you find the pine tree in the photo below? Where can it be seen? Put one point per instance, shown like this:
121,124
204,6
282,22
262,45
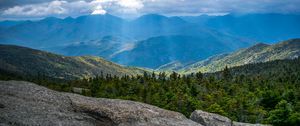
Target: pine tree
226,74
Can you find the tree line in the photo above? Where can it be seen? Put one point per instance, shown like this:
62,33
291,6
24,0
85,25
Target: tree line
265,96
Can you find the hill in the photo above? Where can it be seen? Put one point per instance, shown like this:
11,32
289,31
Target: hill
152,25
95,35
8,24
30,62
260,52
84,36
268,28
157,51
53,31
277,69
106,47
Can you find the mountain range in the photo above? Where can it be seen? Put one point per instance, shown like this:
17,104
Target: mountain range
23,61
268,28
151,40
289,49
156,51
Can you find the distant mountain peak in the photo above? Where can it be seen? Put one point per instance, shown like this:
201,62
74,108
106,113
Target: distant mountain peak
51,19
157,17
151,17
98,16
68,18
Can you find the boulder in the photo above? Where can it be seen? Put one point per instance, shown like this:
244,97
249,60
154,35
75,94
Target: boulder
246,124
210,119
24,103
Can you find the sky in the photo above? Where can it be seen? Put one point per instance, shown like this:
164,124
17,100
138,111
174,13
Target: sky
36,9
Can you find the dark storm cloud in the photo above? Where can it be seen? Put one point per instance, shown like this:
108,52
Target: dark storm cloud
42,8
11,3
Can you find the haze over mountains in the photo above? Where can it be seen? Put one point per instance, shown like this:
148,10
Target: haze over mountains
150,62
267,28
258,53
156,51
151,40
22,61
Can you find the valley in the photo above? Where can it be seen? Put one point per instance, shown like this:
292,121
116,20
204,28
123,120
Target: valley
99,68
241,93
116,39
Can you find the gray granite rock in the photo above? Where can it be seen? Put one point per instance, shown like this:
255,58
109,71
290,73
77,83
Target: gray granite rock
210,119
24,103
246,124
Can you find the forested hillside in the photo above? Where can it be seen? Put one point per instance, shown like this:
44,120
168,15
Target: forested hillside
255,54
26,62
257,93
150,62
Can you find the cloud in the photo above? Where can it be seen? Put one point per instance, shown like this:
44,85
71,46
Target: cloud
192,7
98,10
53,8
63,8
131,5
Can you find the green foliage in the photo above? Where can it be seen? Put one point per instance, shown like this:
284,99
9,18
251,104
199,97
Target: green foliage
257,93
294,119
216,108
279,115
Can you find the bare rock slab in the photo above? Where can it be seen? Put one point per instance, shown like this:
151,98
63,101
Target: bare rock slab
246,124
211,119
24,103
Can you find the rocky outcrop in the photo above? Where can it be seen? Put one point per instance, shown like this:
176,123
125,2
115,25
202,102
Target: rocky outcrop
211,119
24,103
246,124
